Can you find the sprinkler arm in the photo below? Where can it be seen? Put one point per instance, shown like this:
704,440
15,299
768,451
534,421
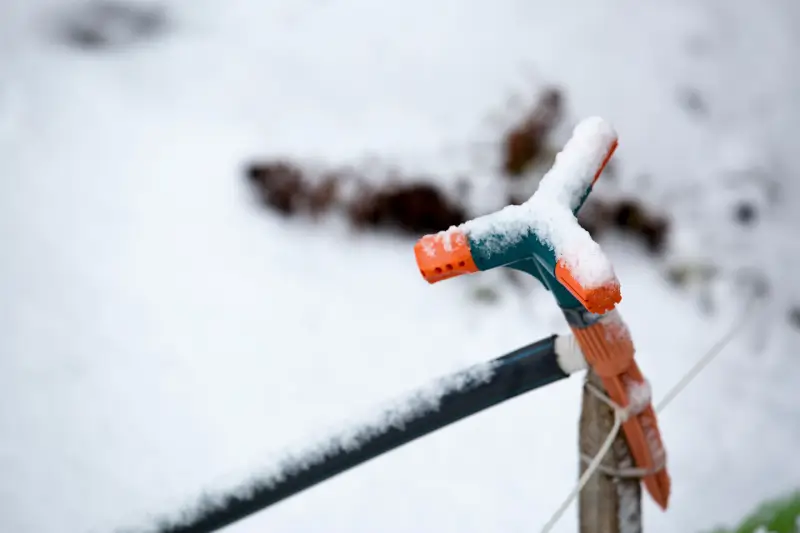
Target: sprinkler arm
542,237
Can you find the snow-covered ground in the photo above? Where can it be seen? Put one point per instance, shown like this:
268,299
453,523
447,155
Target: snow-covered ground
160,335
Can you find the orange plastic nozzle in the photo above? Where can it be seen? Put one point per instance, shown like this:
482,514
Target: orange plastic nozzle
444,255
596,300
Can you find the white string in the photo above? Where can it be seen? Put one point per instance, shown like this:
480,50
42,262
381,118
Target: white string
704,361
621,414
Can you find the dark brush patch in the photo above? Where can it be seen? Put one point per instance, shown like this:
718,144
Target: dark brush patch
745,214
692,101
107,24
632,217
794,317
415,205
280,185
415,208
524,143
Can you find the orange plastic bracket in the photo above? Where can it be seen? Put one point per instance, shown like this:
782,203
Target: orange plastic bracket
609,350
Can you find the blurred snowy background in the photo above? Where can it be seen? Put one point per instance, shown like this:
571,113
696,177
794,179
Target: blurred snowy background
162,334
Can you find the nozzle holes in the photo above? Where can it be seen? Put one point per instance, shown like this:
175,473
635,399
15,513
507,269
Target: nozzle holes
449,267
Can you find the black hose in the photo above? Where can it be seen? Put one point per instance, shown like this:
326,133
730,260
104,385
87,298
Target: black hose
520,371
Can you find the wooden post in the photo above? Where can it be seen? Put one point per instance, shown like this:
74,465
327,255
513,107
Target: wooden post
607,504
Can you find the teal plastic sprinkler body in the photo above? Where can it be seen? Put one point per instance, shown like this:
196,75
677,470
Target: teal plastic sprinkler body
542,237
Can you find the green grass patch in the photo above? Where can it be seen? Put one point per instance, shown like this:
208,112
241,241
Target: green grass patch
781,515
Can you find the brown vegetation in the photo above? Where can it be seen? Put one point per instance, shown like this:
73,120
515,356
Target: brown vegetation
417,206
